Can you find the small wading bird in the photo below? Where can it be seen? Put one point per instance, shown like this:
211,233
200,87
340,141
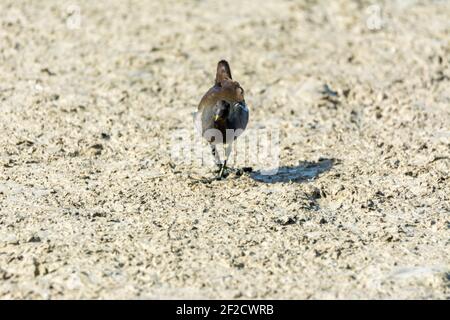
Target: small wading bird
222,114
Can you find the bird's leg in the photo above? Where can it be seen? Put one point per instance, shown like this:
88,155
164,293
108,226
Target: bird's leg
216,156
227,155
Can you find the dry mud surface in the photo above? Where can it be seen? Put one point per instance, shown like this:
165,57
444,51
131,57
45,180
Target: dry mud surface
93,204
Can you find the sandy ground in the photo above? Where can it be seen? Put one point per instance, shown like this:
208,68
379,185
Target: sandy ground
94,205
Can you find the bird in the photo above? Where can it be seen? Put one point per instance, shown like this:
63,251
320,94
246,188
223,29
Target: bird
222,114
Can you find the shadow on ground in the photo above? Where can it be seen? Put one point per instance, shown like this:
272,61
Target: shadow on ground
304,171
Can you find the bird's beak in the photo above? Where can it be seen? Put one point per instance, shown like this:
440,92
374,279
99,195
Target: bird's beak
216,118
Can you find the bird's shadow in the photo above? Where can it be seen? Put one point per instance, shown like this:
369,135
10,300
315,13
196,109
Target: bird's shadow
303,172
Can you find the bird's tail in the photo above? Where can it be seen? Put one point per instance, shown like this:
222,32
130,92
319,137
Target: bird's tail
197,118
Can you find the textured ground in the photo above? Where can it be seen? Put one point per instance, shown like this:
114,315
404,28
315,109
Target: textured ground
93,204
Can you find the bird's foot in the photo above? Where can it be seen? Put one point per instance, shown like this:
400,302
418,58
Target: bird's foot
223,172
239,172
